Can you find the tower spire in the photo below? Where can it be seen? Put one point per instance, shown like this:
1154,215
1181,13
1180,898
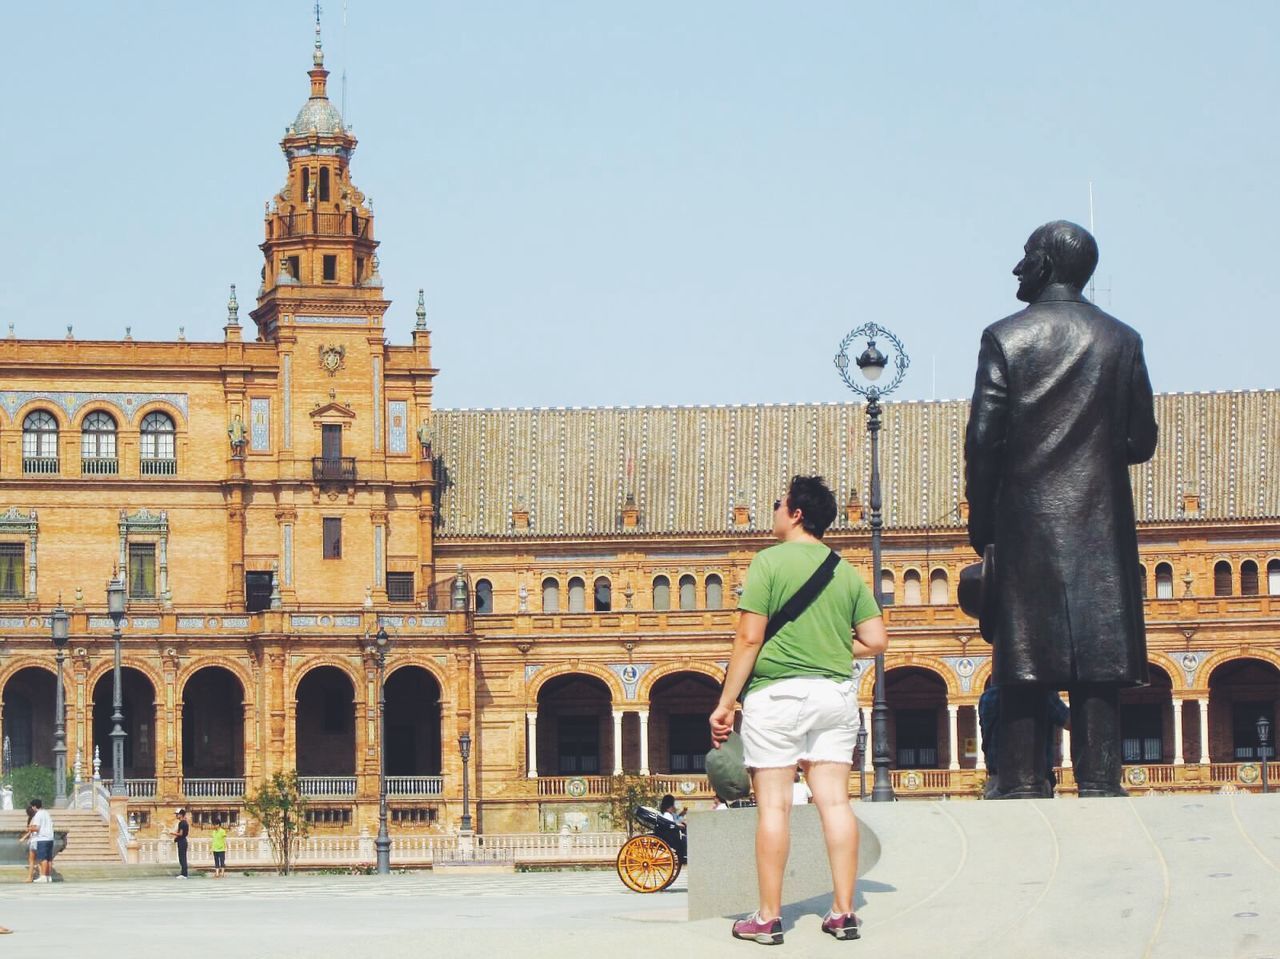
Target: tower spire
318,57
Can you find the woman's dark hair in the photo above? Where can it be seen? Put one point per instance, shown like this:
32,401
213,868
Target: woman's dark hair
668,802
217,819
816,503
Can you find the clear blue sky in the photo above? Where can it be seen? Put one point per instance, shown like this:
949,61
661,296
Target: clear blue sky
661,202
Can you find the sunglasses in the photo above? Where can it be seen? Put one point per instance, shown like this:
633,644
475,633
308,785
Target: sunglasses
776,504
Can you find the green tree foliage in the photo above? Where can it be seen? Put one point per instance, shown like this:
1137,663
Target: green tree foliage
625,793
280,807
31,782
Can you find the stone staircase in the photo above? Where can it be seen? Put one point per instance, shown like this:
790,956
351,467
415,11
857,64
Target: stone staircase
88,837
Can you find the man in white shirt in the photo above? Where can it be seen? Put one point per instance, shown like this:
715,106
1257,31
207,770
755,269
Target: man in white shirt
41,826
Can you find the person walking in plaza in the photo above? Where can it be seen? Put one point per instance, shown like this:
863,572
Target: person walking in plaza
795,662
218,843
179,833
40,831
29,837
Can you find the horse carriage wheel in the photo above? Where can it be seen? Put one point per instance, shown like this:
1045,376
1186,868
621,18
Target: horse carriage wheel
647,864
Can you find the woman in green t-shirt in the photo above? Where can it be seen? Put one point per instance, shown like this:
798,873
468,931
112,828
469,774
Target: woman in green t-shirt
800,706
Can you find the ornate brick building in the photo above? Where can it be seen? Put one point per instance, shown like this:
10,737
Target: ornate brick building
558,584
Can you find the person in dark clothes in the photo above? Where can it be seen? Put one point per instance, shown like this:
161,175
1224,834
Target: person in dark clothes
989,723
179,833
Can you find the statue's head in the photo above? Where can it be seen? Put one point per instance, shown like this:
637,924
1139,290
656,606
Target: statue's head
1058,252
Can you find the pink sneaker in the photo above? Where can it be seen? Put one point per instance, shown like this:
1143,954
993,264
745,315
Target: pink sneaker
842,927
758,930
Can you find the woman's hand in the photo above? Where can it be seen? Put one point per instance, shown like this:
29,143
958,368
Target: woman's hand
721,724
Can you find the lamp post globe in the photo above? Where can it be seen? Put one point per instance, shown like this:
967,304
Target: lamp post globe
871,364
115,609
383,843
60,628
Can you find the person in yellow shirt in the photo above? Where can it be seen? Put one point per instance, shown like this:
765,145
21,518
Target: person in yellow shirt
219,847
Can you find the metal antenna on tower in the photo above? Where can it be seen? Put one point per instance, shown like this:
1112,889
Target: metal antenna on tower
343,109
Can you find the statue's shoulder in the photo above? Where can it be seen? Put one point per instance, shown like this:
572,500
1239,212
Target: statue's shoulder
1010,325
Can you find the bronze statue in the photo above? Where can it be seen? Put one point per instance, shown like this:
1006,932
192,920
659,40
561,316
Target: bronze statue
1062,406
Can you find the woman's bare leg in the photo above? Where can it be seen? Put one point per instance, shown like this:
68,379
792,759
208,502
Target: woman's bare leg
829,783
773,834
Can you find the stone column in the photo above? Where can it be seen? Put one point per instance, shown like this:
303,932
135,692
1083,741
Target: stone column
617,743
979,761
531,724
952,736
1204,731
644,741
1177,733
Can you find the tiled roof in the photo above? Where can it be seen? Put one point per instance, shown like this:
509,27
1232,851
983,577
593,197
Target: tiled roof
572,469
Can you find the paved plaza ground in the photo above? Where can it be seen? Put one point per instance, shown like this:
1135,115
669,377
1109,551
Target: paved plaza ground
1164,878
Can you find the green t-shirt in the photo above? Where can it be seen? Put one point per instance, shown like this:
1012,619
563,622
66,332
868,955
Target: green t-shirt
819,642
219,843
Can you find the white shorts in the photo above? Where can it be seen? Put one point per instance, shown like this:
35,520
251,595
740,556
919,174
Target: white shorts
807,718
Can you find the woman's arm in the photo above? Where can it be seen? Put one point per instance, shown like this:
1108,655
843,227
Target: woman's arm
870,638
746,647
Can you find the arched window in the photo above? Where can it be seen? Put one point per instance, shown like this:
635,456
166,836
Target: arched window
602,595
306,185
886,587
1142,578
661,593
40,443
1222,578
550,595
484,597
911,588
1273,578
688,592
577,595
715,592
1248,578
1164,581
98,436
939,595
156,445
324,184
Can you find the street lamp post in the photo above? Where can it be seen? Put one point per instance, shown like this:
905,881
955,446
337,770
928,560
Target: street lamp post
464,747
383,843
1264,747
115,609
61,626
872,363
862,757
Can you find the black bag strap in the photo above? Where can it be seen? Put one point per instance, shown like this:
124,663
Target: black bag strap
804,596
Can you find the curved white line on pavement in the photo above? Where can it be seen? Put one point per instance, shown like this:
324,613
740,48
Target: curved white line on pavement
1164,872
1249,839
964,857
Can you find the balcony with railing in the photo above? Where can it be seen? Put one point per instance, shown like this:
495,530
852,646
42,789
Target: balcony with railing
328,787
40,465
159,467
415,786
333,469
99,466
231,787
140,788
314,223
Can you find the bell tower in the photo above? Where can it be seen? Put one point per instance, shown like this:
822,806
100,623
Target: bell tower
321,263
